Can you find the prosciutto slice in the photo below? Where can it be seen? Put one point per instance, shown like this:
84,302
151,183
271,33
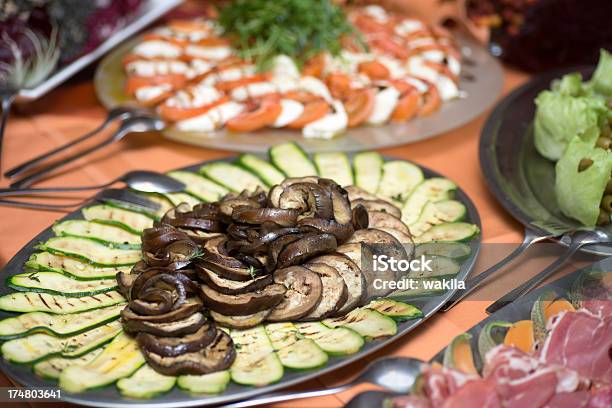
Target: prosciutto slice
581,341
439,383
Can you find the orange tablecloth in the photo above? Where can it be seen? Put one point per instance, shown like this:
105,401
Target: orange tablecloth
72,109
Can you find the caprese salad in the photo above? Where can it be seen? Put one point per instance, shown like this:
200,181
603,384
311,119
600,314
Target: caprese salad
207,74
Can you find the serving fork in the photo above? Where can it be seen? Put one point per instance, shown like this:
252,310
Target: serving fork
120,197
135,122
396,374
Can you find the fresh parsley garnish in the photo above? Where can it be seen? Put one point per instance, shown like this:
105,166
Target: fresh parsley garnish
262,29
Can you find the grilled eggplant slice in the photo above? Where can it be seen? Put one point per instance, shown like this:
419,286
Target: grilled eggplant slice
353,278
176,328
243,304
402,237
335,292
304,291
226,266
309,246
229,286
174,346
380,219
378,205
240,322
191,306
217,355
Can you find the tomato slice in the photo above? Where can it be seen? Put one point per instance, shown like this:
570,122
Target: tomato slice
339,85
313,110
432,103
176,113
359,105
374,70
407,107
389,45
135,82
301,96
228,86
314,67
263,115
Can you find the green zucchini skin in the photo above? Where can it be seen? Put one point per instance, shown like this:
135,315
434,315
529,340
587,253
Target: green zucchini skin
41,282
42,322
73,268
292,160
90,251
36,347
43,302
99,232
261,168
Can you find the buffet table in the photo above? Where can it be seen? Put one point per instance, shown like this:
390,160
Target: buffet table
73,109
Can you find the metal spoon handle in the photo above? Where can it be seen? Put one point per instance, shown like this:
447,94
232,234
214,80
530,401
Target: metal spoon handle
7,102
26,181
38,206
43,157
10,192
526,287
474,283
287,396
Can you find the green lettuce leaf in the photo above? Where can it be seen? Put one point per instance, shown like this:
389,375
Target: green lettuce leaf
559,117
579,193
602,78
569,84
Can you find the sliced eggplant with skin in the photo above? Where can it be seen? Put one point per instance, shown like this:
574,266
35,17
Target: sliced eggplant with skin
335,292
191,306
379,243
125,282
240,322
354,252
181,327
276,191
380,219
232,287
361,219
243,304
342,232
226,266
358,193
378,205
308,199
216,356
304,291
174,346
308,246
256,216
353,278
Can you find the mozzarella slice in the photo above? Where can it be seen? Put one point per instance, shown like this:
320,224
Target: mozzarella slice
148,93
199,95
454,65
230,74
290,111
447,88
329,125
314,86
253,90
377,12
147,68
213,119
384,105
157,48
284,66
208,53
408,26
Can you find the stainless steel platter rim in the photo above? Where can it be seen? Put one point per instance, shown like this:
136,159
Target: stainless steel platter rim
90,398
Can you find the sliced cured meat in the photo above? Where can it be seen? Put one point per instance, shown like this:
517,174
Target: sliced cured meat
581,341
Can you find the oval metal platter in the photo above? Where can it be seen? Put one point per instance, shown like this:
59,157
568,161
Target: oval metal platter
481,81
513,312
520,178
110,397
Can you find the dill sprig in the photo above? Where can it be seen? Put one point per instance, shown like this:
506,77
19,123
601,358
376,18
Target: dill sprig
301,29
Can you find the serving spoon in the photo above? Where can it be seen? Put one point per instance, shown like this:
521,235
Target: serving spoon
396,374
140,180
134,124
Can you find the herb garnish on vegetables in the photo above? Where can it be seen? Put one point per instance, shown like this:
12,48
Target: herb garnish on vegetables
262,29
